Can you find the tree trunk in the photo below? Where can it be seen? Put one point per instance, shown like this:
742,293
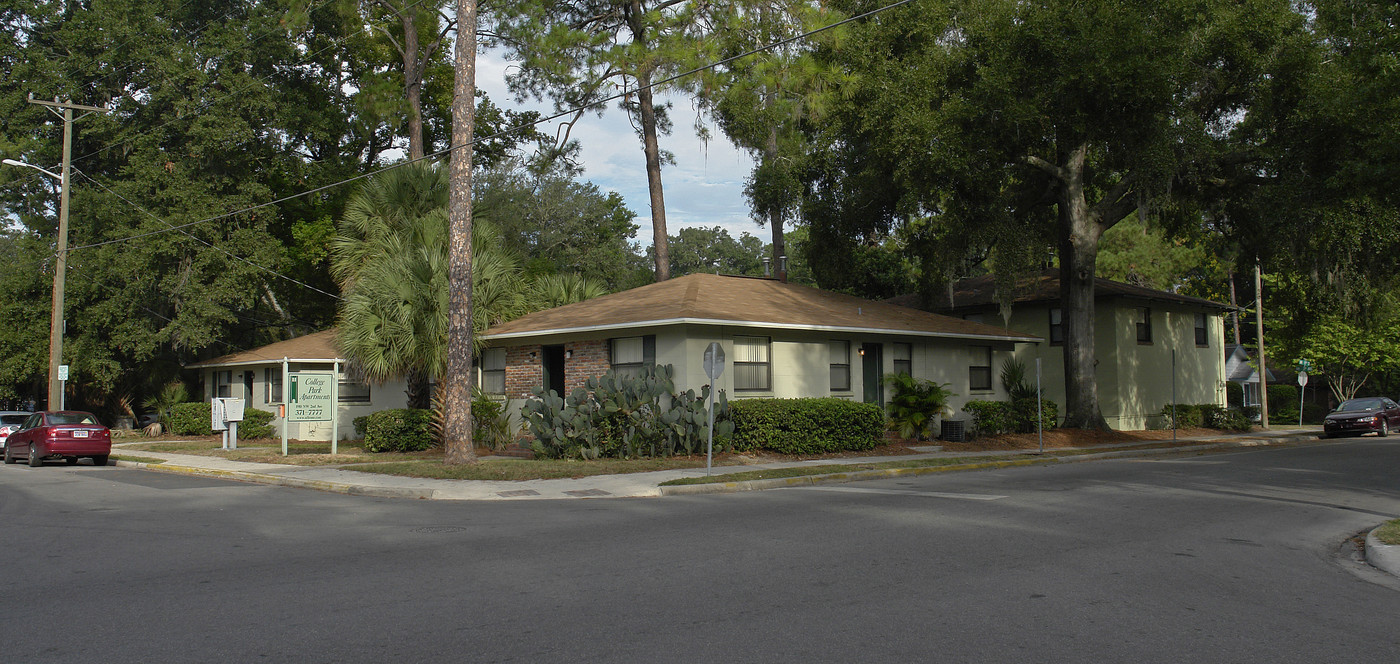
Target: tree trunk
1080,231
417,389
457,384
412,83
647,110
775,214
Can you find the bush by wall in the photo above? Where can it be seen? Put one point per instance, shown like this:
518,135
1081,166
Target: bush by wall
1284,396
359,424
1023,412
399,430
1208,415
806,426
194,418
1234,394
990,418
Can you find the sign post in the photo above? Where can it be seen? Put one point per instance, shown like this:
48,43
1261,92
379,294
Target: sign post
62,386
310,398
1302,384
714,367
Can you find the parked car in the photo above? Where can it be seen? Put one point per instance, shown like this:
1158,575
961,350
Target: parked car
62,434
1354,417
9,423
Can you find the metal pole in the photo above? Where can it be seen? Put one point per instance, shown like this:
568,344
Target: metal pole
1301,391
710,443
1173,394
335,409
1263,370
286,407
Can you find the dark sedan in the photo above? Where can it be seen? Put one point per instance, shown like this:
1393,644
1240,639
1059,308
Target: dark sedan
1354,417
63,434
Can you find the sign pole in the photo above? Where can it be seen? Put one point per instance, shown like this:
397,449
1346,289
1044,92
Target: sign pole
286,411
335,409
713,362
1302,390
1039,416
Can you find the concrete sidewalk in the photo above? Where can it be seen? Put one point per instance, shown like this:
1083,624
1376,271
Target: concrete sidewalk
636,485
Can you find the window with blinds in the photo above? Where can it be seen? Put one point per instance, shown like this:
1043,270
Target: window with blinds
752,364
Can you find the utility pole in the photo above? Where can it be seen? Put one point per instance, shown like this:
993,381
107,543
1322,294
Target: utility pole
61,267
1263,370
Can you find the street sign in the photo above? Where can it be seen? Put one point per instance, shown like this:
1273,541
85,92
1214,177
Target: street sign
63,372
1302,379
310,397
714,360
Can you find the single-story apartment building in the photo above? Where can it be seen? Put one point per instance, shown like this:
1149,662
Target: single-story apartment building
256,376
780,339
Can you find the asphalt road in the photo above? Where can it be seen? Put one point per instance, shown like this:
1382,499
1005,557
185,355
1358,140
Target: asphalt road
1217,558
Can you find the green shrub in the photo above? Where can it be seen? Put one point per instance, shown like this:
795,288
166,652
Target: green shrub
990,418
399,430
192,418
256,424
806,426
1023,412
1234,393
1284,396
490,423
915,403
1208,415
359,424
1188,416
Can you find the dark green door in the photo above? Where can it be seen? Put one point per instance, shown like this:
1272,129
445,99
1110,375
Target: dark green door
872,366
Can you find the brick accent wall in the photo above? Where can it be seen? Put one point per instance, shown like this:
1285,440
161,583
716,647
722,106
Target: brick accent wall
525,375
590,359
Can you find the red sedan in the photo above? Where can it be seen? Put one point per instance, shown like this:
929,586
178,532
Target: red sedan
62,434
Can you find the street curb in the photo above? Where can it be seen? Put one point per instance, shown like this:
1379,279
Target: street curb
278,480
887,473
837,478
1384,557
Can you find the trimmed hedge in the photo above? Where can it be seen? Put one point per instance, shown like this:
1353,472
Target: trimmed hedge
399,430
806,426
195,418
1209,415
990,418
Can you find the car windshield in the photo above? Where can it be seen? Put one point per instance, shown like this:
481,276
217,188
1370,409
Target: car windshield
1360,405
72,418
13,419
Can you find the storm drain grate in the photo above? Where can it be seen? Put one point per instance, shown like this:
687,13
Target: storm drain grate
518,493
588,492
439,529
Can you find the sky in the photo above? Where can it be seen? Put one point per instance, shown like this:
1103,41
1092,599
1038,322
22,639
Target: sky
705,187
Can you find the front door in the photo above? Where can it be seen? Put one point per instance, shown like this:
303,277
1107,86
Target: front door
554,369
872,366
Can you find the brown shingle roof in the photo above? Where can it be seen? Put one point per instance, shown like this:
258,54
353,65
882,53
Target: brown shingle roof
1044,287
316,346
743,301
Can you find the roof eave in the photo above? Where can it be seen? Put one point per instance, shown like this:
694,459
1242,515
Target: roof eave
1015,338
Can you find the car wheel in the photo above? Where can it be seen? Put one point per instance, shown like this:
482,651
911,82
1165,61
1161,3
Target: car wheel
1384,430
72,461
8,457
34,459
100,460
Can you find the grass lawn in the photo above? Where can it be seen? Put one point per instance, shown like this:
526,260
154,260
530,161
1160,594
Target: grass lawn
1389,533
137,459
299,452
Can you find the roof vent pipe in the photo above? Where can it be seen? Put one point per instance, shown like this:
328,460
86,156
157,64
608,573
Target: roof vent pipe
767,266
782,268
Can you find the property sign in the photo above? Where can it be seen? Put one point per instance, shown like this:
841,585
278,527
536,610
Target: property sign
310,396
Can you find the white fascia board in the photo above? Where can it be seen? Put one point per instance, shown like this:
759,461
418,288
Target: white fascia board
245,363
758,324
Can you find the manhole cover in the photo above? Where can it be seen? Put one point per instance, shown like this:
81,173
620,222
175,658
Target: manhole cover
439,529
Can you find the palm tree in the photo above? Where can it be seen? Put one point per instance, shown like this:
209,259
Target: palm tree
557,290
391,260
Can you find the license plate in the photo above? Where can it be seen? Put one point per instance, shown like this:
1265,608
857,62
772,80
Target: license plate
81,434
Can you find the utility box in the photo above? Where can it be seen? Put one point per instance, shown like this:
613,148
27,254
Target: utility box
954,431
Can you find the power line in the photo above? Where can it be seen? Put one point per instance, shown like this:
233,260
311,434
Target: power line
505,132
